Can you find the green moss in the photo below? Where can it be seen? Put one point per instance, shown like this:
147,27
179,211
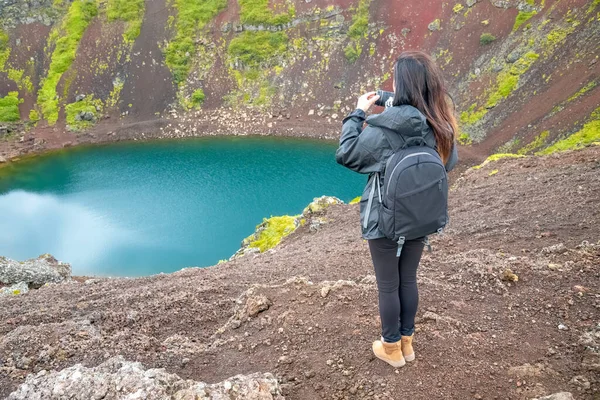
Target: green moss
591,85
470,116
258,54
372,49
257,12
197,98
67,38
271,232
557,36
265,94
192,16
9,107
34,116
352,52
537,143
23,82
508,80
496,157
523,17
130,11
355,200
458,8
465,139
4,49
486,38
115,94
254,49
586,136
358,31
89,104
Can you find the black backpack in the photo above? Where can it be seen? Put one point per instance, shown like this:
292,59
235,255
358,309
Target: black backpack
415,191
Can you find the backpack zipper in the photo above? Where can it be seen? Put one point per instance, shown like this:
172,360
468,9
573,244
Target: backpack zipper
387,192
422,188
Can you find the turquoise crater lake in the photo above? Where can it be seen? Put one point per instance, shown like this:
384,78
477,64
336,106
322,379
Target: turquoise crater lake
139,209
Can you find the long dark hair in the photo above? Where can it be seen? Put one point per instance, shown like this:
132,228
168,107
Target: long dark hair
419,83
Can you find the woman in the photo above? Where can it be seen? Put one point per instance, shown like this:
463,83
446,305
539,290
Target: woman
420,108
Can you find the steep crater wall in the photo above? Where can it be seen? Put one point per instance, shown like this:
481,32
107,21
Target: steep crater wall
523,74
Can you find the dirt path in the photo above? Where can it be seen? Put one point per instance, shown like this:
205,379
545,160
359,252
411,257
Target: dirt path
478,336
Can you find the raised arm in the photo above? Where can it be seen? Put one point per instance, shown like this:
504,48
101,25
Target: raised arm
353,153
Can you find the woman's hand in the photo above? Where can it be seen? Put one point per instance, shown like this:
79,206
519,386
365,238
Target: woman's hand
366,101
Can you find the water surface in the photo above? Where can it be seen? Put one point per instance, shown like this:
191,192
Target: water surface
143,208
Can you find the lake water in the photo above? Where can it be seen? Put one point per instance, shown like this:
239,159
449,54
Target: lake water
142,208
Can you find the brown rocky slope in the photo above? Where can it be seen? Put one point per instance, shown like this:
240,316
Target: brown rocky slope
306,311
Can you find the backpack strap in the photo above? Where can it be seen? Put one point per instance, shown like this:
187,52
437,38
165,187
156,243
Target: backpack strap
400,142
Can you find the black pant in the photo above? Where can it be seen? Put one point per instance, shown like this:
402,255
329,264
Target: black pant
397,284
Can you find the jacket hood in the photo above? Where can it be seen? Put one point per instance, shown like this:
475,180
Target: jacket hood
405,120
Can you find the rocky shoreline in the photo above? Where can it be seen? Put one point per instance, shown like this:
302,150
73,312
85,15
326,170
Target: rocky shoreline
23,142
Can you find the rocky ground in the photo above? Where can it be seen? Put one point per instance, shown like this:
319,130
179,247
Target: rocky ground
510,305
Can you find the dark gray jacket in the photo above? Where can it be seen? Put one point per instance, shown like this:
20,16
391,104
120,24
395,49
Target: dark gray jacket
366,152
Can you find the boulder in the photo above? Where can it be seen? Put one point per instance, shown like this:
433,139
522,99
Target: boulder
319,204
80,97
117,378
34,272
435,25
256,305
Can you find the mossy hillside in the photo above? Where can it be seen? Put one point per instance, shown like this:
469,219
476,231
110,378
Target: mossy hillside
496,157
258,49
536,144
523,17
256,55
34,116
464,139
23,81
506,82
9,107
115,93
470,116
536,44
194,101
4,49
257,12
18,76
540,45
358,31
192,17
130,11
581,92
87,105
270,233
589,134
66,38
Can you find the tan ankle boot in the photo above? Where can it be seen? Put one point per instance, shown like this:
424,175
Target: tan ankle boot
391,353
407,349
